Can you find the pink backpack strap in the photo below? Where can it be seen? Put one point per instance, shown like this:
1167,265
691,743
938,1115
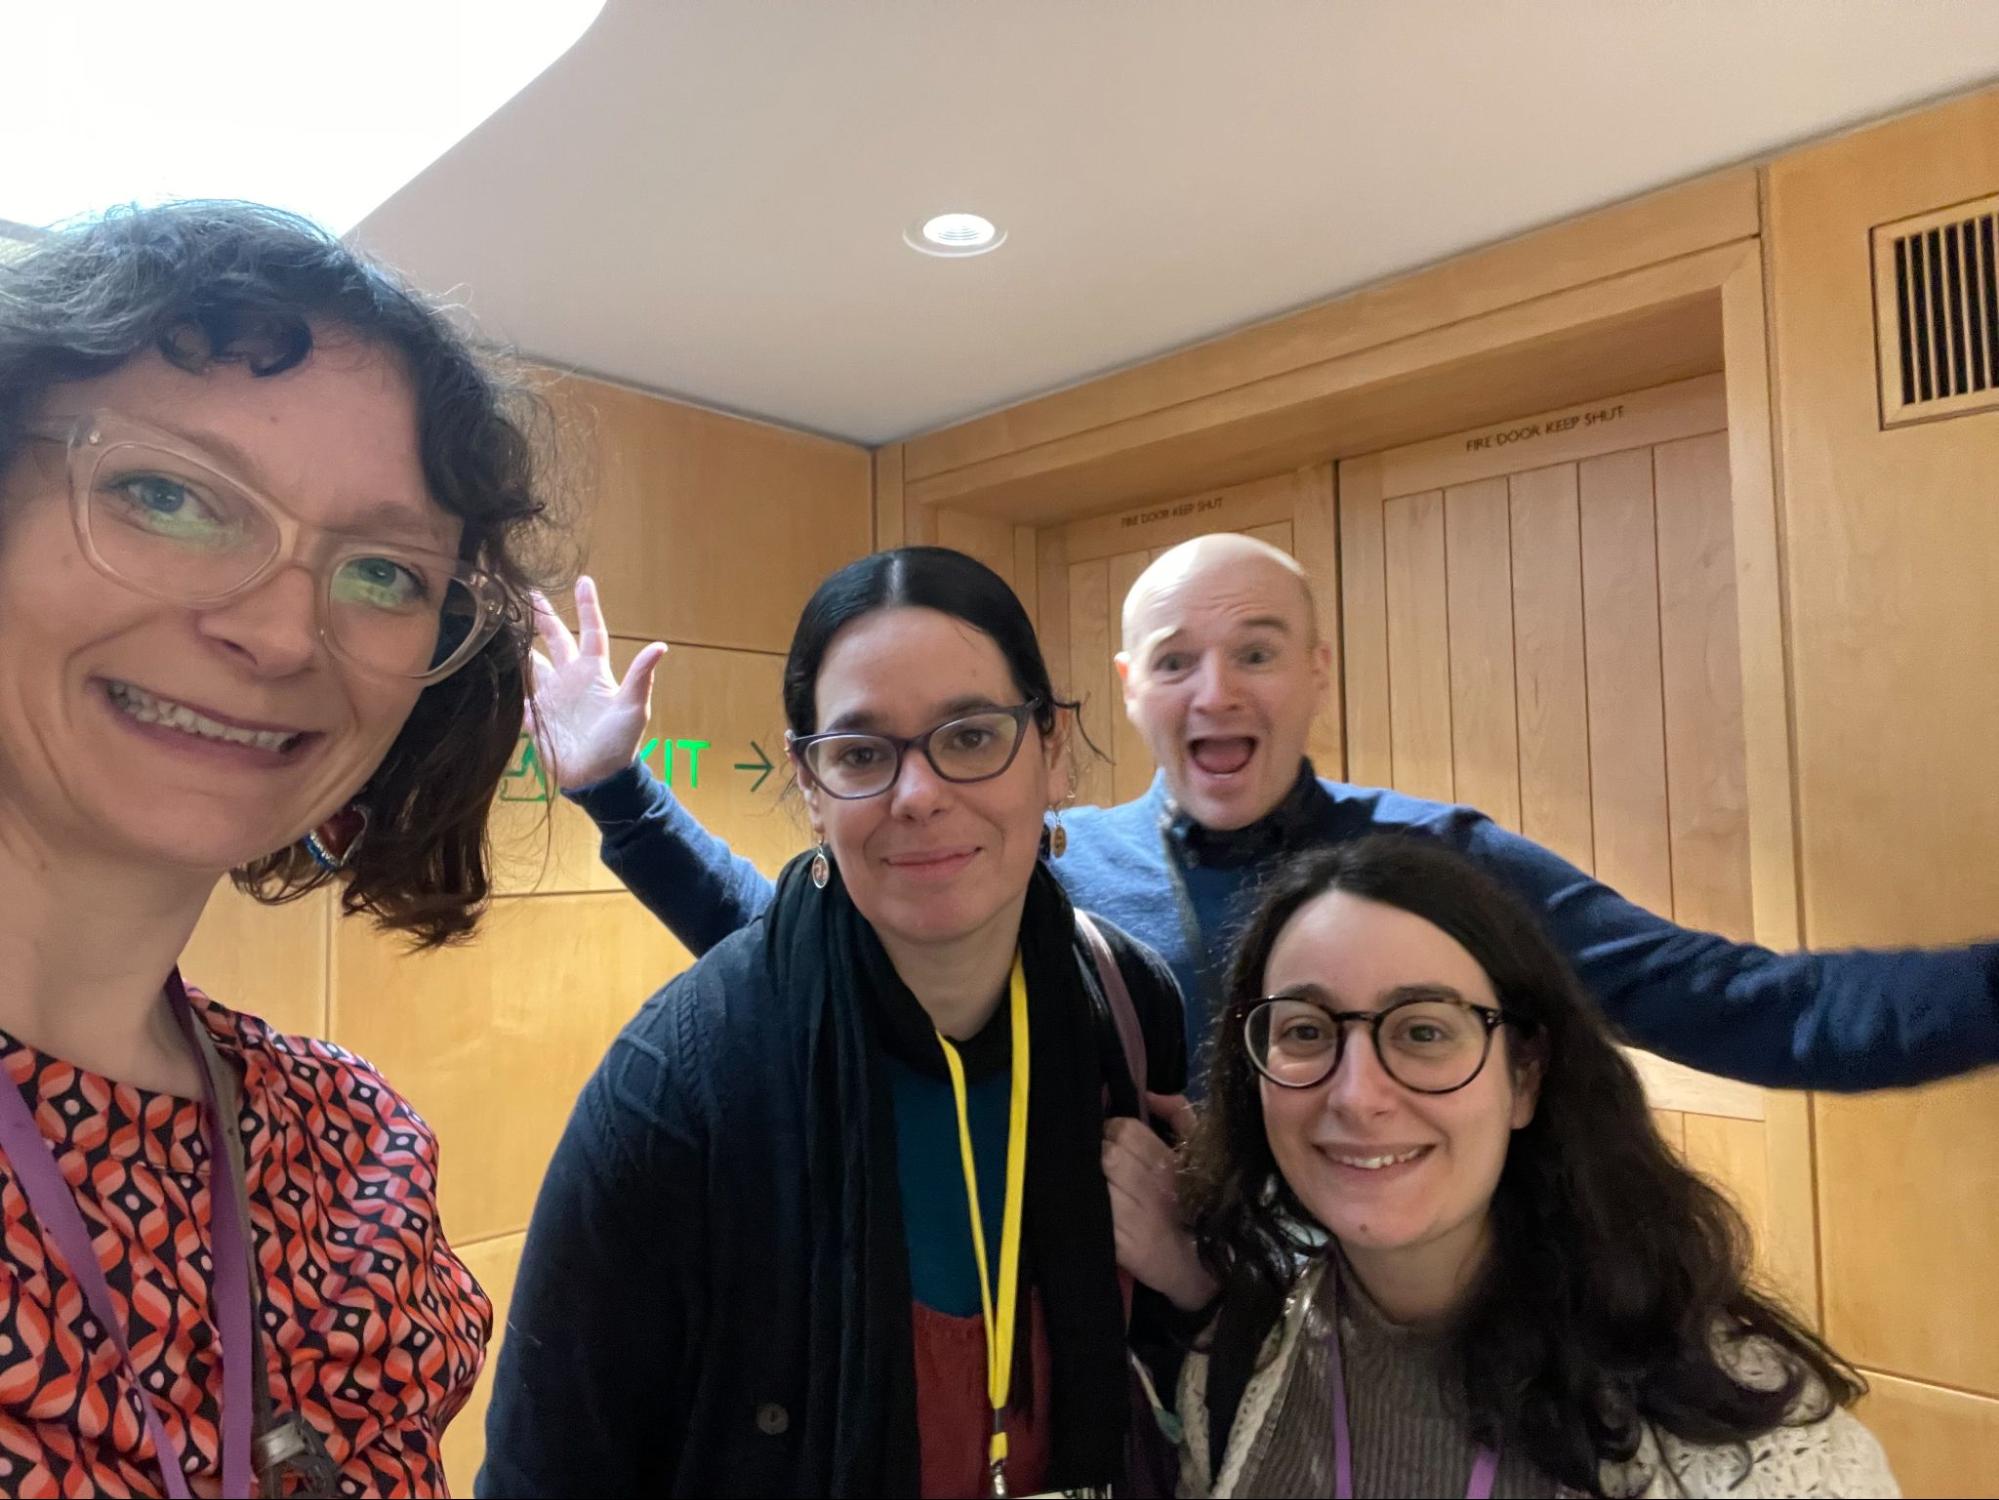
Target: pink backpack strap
1124,1014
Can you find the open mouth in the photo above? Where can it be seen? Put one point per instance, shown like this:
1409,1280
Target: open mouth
150,709
1221,757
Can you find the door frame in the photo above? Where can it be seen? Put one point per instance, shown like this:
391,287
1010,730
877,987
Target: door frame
1692,314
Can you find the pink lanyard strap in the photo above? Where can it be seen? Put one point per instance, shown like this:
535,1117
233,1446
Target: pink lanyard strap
1484,1468
33,1161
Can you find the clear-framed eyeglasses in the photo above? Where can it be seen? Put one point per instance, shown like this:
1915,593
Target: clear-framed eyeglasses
1428,1044
972,747
154,513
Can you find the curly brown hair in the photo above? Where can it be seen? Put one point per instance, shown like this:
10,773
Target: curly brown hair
207,283
1615,1272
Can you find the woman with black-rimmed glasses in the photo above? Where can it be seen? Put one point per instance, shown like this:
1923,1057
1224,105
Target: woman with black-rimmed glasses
831,1217
1453,1253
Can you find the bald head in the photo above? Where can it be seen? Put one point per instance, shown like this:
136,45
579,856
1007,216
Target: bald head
1221,555
1223,669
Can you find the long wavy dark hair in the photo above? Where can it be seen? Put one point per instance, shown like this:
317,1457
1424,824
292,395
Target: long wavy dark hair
1618,1279
209,283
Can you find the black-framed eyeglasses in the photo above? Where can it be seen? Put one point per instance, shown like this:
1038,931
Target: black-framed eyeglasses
971,747
1429,1044
155,513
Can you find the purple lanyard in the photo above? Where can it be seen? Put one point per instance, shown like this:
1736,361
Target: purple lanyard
1484,1468
41,1181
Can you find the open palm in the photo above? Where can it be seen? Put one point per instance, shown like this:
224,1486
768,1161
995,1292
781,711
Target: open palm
586,723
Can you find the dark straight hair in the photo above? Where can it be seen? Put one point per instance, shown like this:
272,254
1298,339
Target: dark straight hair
1618,1287
915,578
205,284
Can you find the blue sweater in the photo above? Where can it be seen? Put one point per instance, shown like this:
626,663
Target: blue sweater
1849,1020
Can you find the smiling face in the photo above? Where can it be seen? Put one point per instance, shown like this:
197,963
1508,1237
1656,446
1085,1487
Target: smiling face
929,861
1387,1170
204,737
1223,672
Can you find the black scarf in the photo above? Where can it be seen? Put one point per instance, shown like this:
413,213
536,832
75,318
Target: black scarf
861,1385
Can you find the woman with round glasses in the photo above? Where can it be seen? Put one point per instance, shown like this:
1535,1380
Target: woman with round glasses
262,529
1454,1255
830,1218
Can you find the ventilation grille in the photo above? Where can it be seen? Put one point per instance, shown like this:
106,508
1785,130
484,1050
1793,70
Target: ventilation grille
1936,313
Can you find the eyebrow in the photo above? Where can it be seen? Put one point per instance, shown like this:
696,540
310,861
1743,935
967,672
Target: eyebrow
867,721
393,519
1318,994
1275,623
388,519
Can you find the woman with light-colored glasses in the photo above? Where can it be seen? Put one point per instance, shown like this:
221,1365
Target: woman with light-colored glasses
830,1219
1453,1253
262,517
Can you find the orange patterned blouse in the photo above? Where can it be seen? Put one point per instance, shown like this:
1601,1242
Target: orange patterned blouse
373,1330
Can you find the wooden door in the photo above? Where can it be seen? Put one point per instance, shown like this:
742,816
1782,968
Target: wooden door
1541,622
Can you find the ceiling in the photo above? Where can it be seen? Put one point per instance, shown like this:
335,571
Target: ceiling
706,198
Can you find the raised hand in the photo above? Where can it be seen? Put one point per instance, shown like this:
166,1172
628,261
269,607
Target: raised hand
586,723
1143,1174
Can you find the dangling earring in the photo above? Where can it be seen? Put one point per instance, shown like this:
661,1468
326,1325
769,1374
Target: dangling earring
822,867
1058,837
333,843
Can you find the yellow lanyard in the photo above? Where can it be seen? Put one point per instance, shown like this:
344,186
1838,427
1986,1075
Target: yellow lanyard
999,1330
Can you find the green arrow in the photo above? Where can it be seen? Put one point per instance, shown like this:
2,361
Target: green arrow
762,765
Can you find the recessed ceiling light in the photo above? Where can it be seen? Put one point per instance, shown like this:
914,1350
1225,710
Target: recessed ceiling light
954,234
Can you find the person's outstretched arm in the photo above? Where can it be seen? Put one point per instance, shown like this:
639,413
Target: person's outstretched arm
1837,1020
588,725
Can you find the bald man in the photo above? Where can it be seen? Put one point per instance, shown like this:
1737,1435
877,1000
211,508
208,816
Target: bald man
1224,668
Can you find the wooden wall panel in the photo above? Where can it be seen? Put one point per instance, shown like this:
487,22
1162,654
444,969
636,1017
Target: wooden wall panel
1419,646
888,509
1889,540
1701,662
1277,534
267,960
1626,717
1940,1442
1672,1126
1027,570
988,539
1051,607
683,500
1485,743
1730,1154
494,1262
1092,678
1315,543
1551,677
492,1041
713,713
1132,766
1364,625
1907,1193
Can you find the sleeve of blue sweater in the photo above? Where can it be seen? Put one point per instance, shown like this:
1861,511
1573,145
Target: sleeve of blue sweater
686,877
587,1399
1835,1020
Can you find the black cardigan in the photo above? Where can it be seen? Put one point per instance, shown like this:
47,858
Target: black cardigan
656,1339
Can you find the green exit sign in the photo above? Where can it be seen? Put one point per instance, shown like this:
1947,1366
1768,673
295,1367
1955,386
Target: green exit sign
525,779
